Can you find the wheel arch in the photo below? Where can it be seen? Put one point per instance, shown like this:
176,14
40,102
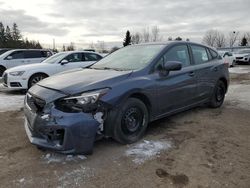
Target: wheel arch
224,80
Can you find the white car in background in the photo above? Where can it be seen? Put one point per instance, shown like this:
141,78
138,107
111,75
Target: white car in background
243,56
23,77
228,57
13,58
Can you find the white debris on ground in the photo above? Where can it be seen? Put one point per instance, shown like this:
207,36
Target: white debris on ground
239,94
60,158
239,70
146,150
75,177
10,102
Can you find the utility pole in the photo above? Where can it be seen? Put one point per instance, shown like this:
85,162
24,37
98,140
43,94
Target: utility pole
54,47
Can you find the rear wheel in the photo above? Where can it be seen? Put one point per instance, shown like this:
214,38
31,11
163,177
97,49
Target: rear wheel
2,69
218,95
35,79
131,121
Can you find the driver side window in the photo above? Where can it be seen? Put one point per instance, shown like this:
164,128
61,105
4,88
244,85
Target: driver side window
177,53
77,57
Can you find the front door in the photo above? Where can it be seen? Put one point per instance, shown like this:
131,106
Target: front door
178,89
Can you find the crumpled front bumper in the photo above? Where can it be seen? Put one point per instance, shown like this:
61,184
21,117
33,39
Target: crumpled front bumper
60,131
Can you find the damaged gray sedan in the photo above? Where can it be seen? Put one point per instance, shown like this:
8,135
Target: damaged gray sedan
119,95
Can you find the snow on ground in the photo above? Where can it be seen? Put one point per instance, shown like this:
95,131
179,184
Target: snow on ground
9,102
75,177
239,95
146,150
239,70
60,158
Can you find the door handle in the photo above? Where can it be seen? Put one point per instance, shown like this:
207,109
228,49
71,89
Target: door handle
191,73
215,69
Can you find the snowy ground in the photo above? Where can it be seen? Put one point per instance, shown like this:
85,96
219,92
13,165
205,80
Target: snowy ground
240,70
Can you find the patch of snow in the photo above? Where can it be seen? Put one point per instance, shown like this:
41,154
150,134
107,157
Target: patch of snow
60,158
239,70
239,94
75,177
21,180
146,150
11,102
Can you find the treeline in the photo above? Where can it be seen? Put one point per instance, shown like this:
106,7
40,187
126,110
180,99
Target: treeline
219,39
12,38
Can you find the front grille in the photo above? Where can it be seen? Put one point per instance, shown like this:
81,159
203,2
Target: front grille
15,84
5,78
239,57
36,104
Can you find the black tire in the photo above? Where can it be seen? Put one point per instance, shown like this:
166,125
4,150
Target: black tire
2,69
218,96
35,79
131,121
233,64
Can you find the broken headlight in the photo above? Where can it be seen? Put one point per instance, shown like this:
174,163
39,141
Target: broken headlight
83,102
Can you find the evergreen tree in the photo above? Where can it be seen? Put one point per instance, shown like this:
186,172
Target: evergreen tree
178,38
8,37
244,41
127,40
2,35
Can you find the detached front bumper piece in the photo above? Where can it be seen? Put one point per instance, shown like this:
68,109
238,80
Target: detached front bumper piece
61,132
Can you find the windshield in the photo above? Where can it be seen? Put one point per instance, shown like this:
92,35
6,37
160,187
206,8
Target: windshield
129,58
55,58
244,52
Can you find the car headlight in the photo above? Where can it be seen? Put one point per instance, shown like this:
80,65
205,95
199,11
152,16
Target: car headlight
17,73
247,56
82,101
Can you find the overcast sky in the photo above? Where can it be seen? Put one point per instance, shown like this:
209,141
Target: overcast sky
84,21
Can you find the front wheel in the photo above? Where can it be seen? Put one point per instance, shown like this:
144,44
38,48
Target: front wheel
218,96
35,79
131,121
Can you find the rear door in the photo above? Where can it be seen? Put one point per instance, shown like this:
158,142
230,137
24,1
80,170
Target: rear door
206,69
178,89
33,56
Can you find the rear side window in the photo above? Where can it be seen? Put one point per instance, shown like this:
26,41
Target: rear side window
17,55
33,54
91,57
178,53
199,54
213,53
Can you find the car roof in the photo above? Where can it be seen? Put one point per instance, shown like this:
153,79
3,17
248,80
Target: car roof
175,42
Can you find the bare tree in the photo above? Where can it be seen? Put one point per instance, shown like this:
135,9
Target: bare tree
232,38
146,35
220,40
136,38
91,45
210,38
101,46
247,34
155,34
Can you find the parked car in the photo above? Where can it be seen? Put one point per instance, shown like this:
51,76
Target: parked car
3,50
13,58
119,95
228,58
243,56
23,77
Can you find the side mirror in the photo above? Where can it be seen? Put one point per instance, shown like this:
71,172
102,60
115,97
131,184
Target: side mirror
172,66
64,61
9,57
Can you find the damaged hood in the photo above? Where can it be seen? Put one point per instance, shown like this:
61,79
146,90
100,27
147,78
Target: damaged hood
83,80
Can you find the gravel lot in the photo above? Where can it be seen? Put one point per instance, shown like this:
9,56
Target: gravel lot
199,148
